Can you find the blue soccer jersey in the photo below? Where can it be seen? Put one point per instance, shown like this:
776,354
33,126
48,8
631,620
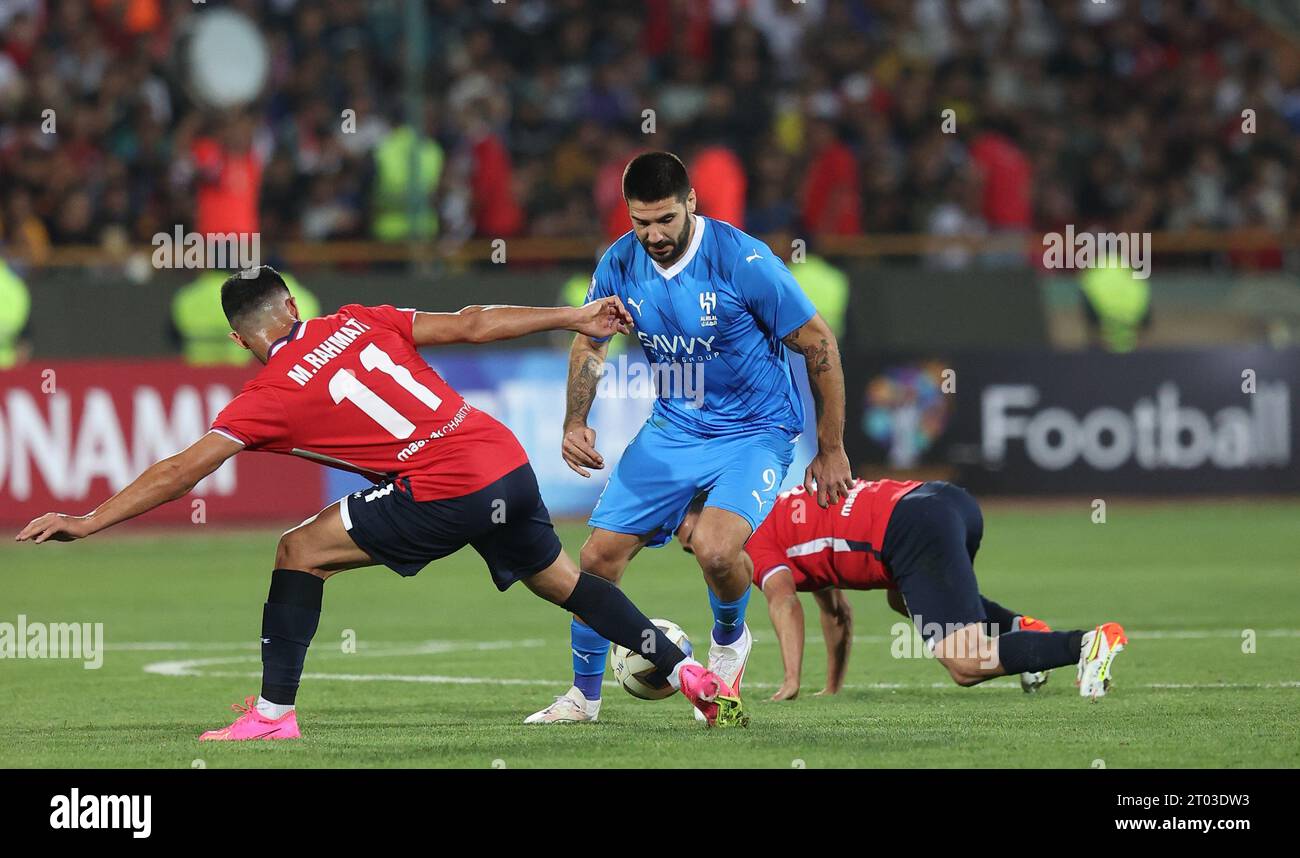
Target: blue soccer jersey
716,316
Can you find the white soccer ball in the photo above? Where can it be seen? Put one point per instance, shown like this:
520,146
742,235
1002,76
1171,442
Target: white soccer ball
637,674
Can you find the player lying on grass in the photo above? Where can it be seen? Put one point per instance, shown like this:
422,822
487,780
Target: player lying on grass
351,390
918,540
714,304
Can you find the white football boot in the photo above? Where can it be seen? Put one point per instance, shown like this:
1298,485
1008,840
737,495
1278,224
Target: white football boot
1032,680
1099,648
728,661
572,707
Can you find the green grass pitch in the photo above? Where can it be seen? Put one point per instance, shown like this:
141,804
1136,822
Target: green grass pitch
445,668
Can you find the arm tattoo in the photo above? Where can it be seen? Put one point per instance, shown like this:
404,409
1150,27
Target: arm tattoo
826,380
818,354
584,375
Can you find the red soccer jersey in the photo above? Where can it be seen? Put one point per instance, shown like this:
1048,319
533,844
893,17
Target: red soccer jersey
834,547
351,391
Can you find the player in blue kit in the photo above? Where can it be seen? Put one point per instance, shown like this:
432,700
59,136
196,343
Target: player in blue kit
715,310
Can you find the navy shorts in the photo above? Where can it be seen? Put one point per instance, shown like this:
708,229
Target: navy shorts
505,521
930,545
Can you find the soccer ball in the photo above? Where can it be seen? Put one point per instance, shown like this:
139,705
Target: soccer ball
635,672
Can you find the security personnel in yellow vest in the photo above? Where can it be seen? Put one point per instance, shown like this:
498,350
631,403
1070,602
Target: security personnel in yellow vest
15,310
202,326
824,284
393,181
1116,306
827,287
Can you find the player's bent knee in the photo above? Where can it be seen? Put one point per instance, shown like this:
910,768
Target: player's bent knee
965,671
294,552
606,561
715,556
555,583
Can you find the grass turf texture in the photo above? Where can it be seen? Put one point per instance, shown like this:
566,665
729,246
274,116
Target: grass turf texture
1211,569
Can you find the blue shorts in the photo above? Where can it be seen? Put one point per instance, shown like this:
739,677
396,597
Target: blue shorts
505,522
663,469
930,544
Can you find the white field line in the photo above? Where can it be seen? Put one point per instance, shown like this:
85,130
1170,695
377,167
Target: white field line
759,638
407,647
437,679
201,667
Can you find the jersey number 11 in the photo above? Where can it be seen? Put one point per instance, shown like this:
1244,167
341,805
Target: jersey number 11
345,385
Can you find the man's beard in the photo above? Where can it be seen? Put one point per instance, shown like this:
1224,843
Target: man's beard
678,244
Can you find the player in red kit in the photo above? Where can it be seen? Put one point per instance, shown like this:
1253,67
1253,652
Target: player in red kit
917,541
350,390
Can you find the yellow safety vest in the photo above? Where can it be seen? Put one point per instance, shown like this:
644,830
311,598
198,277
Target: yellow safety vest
393,181
1121,302
15,309
205,333
827,287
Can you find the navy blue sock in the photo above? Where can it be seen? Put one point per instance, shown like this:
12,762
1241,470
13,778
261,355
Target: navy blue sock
999,621
589,653
612,615
1032,651
289,620
728,617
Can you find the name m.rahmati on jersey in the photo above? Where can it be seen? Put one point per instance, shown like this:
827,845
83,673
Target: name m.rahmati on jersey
330,348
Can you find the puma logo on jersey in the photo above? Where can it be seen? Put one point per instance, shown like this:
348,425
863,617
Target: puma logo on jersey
758,498
636,304
753,256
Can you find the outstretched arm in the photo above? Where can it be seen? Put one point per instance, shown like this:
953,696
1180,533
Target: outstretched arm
837,629
161,482
787,619
603,317
830,468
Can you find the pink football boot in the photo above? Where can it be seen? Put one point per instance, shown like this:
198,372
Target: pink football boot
252,724
719,703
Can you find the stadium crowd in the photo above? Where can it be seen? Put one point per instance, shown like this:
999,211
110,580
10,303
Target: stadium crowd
817,117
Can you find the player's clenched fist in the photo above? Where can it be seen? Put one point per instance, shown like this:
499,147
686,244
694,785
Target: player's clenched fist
604,318
579,450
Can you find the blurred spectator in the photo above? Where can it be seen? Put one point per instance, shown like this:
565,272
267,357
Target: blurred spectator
15,309
1065,111
824,284
392,215
22,230
496,212
1116,307
1006,179
832,194
719,180
228,178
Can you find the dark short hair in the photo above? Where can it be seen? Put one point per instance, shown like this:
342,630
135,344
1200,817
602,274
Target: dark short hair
247,291
656,176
